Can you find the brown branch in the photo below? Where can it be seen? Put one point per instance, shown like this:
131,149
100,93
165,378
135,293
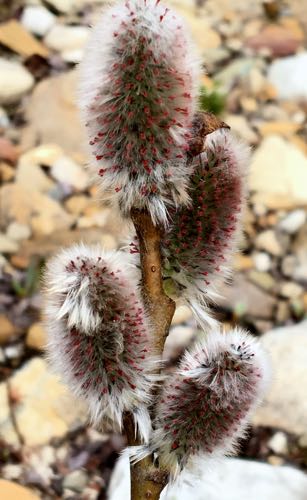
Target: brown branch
147,479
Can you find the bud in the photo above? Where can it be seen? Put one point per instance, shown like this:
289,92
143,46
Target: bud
205,406
98,333
199,244
138,84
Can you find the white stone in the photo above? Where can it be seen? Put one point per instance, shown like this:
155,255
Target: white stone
182,315
63,38
230,479
285,405
18,232
278,174
240,126
15,81
68,172
278,443
293,221
7,245
289,76
262,261
72,56
37,19
267,240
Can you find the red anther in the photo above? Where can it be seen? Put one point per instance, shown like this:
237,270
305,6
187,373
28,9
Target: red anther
99,157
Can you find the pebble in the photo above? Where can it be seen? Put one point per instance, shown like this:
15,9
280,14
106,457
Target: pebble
68,172
36,337
182,315
32,177
66,38
262,261
77,204
7,245
11,471
267,240
278,174
63,6
285,405
293,222
76,481
62,124
7,329
261,279
288,265
279,443
15,81
44,410
45,154
18,232
291,290
240,126
278,39
37,19
21,205
289,76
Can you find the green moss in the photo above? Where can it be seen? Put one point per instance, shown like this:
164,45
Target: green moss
212,100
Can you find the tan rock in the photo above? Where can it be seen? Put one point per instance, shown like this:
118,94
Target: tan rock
61,125
294,26
243,262
7,173
44,408
7,245
291,290
20,261
285,129
7,329
239,125
278,174
14,36
13,491
36,337
77,204
45,154
32,208
279,40
32,177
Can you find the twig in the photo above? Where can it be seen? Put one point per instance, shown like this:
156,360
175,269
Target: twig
147,480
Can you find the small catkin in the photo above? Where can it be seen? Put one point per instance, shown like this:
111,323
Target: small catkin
199,243
205,404
138,87
98,333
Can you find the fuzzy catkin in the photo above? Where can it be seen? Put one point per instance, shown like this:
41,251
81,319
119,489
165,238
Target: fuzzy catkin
138,85
98,333
199,244
205,404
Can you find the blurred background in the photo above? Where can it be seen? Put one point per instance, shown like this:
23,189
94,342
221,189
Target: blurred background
255,78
